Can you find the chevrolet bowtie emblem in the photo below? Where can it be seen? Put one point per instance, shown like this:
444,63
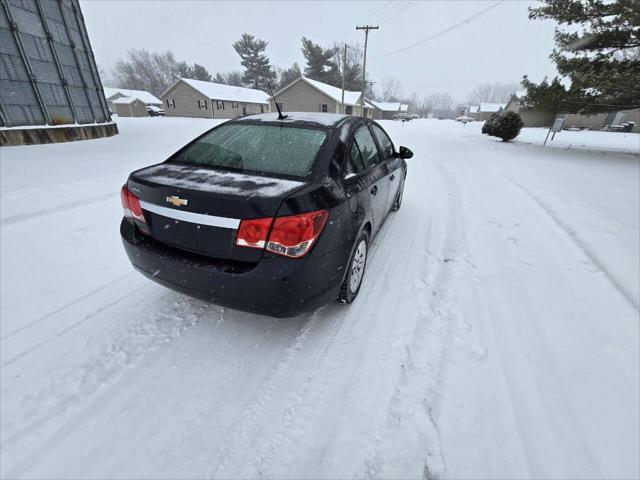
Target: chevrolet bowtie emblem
177,201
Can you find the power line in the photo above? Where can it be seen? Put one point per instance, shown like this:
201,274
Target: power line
439,34
394,5
397,13
379,10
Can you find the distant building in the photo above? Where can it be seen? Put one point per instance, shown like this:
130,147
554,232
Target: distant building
196,98
129,107
531,117
48,75
145,97
384,110
306,95
485,110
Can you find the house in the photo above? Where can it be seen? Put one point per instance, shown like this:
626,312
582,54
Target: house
530,117
485,110
603,120
385,110
145,97
306,95
596,121
129,107
197,98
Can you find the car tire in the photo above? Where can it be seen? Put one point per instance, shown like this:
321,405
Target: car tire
355,270
398,203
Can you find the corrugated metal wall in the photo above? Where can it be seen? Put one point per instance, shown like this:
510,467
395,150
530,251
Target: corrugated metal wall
47,71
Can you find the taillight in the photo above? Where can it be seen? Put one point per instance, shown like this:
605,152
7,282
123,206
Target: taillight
131,205
253,233
290,236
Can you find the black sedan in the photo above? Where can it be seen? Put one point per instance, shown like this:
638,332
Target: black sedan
268,215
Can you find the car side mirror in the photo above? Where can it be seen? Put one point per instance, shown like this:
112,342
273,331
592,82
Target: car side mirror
405,153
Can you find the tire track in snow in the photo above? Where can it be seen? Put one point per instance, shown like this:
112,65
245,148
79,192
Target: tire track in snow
64,307
80,383
16,219
296,416
581,244
89,316
415,404
277,386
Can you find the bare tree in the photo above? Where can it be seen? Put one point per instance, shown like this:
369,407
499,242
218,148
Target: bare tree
143,70
440,104
391,90
493,93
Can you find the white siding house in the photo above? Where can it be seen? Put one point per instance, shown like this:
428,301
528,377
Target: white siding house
196,98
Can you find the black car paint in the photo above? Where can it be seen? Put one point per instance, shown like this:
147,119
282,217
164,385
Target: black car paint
259,281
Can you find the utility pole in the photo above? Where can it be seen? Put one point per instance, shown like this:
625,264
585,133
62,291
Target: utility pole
366,29
344,67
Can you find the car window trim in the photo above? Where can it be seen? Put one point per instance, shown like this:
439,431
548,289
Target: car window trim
371,125
375,142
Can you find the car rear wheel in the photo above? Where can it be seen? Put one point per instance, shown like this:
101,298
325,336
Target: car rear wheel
356,268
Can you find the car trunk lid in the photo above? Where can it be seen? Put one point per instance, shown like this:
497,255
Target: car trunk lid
199,209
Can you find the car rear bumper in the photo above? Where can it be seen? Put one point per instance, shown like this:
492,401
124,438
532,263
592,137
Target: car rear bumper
275,286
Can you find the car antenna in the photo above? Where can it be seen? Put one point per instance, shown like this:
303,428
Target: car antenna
280,115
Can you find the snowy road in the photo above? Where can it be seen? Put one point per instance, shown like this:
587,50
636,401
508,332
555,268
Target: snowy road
496,333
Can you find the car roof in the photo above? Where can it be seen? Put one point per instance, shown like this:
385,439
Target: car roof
306,119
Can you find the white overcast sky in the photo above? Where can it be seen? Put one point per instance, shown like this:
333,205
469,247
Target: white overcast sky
499,45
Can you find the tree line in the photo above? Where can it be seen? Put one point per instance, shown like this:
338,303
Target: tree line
155,72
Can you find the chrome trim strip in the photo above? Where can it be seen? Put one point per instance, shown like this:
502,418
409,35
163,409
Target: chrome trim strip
199,218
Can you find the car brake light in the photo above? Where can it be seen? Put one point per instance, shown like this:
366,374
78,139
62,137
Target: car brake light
291,236
253,233
131,205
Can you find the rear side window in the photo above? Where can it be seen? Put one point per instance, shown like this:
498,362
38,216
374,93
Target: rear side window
368,148
256,148
383,140
356,158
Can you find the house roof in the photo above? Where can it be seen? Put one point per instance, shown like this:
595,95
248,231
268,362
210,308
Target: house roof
126,100
218,91
142,95
473,108
335,93
386,106
492,107
404,107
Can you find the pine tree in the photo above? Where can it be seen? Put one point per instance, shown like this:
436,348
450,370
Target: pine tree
258,71
600,57
289,75
321,63
198,72
506,125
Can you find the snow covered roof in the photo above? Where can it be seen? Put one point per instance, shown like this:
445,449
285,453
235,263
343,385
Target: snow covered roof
335,93
141,95
324,119
126,100
473,108
492,107
404,107
219,91
386,106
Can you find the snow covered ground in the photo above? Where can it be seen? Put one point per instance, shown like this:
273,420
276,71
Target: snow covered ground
496,334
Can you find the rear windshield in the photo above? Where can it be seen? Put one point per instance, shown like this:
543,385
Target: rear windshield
270,149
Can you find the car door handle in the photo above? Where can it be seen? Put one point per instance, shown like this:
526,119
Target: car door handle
392,177
374,190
